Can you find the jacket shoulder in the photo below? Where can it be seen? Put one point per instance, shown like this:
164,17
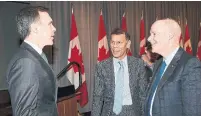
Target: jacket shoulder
135,59
105,62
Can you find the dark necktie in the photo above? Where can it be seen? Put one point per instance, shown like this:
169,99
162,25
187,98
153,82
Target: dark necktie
155,85
119,85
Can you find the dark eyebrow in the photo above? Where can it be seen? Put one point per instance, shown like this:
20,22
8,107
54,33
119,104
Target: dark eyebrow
50,22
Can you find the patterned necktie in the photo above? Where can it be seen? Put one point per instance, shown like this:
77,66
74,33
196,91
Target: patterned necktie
44,57
119,85
155,85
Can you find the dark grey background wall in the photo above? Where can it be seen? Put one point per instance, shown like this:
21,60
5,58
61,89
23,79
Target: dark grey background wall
9,38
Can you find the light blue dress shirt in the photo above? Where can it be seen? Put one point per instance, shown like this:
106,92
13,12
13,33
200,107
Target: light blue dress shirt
126,94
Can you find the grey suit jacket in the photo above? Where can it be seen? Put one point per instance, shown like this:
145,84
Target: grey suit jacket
179,91
31,84
104,87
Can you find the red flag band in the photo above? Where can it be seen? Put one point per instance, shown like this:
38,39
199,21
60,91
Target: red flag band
199,45
124,27
75,55
187,41
103,49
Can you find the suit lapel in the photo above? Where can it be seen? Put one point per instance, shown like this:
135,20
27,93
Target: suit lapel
170,69
37,56
110,75
111,64
131,80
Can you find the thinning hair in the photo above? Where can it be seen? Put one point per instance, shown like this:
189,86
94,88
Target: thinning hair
118,31
26,17
172,27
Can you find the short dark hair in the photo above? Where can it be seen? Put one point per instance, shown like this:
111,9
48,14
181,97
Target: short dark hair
118,31
148,45
154,56
26,17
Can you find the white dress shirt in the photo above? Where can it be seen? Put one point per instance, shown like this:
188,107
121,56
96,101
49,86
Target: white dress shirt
35,47
126,90
167,61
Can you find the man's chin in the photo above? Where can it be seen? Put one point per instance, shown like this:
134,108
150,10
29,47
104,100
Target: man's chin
51,43
154,51
115,56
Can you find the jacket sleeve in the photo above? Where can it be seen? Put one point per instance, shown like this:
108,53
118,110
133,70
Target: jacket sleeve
97,103
23,87
143,85
191,88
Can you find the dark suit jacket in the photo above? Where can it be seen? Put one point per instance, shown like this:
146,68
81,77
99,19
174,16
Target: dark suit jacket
179,91
104,87
31,84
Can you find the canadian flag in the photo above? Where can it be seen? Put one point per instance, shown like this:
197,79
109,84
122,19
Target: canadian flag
199,46
142,37
187,41
103,49
75,55
124,27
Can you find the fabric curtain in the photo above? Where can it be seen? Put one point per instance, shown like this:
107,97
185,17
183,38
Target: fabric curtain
87,19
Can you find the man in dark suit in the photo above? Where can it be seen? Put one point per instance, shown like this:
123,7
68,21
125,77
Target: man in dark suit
31,82
176,86
119,87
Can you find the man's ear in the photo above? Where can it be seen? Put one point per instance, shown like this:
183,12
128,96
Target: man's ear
128,44
34,28
171,35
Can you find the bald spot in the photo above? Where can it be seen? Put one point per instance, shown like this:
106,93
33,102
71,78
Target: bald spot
170,26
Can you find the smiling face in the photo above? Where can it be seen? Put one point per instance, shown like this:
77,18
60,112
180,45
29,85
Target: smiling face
158,38
119,45
45,29
164,36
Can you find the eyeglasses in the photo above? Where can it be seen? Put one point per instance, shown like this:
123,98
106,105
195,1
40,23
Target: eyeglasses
118,43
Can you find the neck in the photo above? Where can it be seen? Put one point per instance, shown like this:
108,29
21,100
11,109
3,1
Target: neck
168,51
35,41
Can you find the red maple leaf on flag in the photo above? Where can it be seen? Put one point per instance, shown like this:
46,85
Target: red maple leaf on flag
124,27
75,57
199,50
187,43
103,54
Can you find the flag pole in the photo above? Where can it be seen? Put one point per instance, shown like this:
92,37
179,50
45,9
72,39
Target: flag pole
142,15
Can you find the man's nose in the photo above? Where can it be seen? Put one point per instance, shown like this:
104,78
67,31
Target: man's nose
115,44
54,28
149,38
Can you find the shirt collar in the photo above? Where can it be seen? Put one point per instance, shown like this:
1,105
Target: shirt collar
124,60
169,58
34,46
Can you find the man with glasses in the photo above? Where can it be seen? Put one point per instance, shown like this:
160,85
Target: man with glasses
120,81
